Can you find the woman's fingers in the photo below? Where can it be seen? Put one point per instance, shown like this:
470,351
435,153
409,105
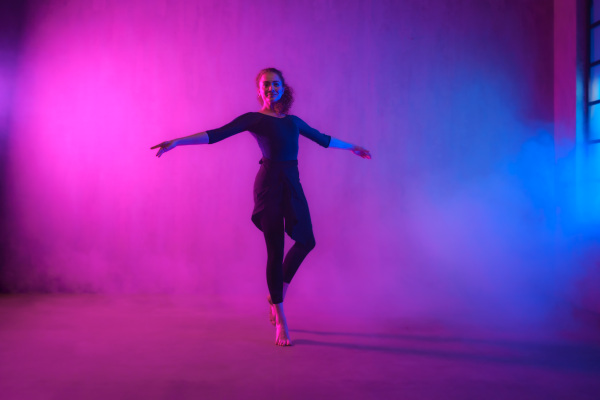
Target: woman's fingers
362,152
163,144
164,147
365,153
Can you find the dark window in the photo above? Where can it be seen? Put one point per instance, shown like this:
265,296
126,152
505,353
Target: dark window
593,95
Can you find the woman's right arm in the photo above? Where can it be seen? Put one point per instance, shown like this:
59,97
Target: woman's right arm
198,138
240,124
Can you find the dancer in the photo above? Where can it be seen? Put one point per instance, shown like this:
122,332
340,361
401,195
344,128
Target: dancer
279,203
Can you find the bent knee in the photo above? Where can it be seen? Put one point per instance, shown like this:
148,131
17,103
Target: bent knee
309,245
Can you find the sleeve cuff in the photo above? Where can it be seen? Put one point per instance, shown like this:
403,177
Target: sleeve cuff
210,138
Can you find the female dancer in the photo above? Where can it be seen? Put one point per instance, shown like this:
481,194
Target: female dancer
279,203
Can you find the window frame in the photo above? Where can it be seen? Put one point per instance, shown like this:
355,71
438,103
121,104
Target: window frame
591,27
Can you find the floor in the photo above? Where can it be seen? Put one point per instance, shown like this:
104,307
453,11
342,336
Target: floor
161,347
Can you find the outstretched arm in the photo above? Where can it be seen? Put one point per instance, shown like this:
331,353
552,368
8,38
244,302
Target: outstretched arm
329,141
240,124
198,138
358,150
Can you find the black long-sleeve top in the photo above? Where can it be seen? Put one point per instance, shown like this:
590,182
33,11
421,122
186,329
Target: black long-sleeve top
276,137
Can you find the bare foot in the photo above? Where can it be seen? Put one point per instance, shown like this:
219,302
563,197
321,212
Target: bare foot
272,316
282,334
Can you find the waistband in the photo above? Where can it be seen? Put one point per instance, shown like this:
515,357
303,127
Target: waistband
268,162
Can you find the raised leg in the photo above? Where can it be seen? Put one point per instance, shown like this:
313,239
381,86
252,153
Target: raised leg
294,258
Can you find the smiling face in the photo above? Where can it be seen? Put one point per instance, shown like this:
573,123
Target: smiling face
270,88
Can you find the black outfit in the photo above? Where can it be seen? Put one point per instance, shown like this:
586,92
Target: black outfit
279,202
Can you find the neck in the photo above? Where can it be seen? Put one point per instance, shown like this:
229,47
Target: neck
269,108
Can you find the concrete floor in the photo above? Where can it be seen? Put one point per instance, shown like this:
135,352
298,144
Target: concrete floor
160,347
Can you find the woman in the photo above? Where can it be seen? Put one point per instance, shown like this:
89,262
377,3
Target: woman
279,202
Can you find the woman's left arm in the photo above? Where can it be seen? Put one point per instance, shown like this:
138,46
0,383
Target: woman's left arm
358,150
329,141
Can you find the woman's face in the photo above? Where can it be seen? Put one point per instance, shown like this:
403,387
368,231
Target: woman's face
270,88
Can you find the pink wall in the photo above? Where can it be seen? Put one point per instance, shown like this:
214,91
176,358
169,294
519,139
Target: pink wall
453,218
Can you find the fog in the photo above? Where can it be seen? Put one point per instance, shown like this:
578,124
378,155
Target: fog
465,214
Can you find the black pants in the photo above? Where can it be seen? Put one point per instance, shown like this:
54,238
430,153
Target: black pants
280,270
279,207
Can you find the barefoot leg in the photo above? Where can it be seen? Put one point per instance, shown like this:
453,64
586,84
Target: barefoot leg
282,334
272,312
272,316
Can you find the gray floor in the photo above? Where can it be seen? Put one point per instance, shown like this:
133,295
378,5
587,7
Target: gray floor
160,347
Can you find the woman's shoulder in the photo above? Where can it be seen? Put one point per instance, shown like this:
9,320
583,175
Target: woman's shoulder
250,117
294,118
251,114
260,114
297,120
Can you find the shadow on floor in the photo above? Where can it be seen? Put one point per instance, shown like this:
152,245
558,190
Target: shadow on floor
561,356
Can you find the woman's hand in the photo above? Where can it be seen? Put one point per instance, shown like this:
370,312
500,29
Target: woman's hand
361,151
164,147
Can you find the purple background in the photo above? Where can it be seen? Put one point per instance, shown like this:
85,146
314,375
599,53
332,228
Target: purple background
473,208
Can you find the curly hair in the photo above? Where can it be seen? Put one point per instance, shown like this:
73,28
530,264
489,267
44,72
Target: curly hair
287,99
